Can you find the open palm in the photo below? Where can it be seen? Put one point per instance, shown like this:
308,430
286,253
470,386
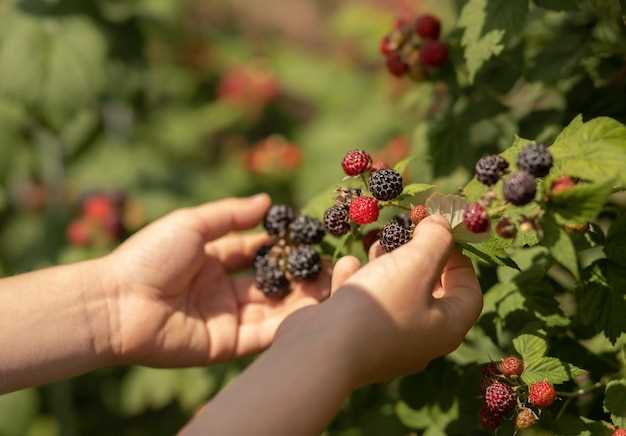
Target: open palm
178,300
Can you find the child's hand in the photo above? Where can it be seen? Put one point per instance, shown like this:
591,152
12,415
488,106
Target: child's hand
175,300
398,312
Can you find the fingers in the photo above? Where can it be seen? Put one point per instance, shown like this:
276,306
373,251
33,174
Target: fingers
376,250
344,268
236,251
221,217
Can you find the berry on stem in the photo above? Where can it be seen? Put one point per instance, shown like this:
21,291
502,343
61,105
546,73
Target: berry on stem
541,394
304,263
511,366
525,418
562,184
306,230
277,219
428,26
336,220
394,235
364,210
619,432
433,54
418,213
356,162
475,218
489,420
520,188
506,229
490,168
385,46
500,398
79,233
535,159
396,65
385,184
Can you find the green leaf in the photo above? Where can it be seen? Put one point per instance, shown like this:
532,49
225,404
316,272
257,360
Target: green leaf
17,409
615,401
417,188
594,152
560,245
581,203
615,246
602,309
531,347
401,166
557,5
550,368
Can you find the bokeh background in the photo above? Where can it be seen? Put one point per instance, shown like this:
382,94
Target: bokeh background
150,105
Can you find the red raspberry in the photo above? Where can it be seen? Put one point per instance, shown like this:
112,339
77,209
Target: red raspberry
562,184
541,394
525,419
79,233
364,210
428,26
489,420
619,432
99,207
385,46
475,218
396,65
433,54
370,238
511,366
418,213
356,162
499,398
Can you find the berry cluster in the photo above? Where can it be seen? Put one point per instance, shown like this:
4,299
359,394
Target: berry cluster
101,219
506,397
291,255
352,207
414,47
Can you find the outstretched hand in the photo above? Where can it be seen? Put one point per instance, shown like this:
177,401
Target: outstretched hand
178,299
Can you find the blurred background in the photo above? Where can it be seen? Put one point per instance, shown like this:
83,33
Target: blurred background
114,112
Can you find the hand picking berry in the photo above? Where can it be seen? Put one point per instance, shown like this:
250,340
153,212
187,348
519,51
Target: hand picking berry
394,235
418,213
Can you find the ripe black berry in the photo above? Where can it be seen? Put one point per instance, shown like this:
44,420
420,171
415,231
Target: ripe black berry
336,220
270,278
404,220
520,188
304,263
394,235
278,218
535,159
306,230
385,184
490,168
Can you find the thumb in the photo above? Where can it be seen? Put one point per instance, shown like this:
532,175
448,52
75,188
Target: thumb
344,268
218,218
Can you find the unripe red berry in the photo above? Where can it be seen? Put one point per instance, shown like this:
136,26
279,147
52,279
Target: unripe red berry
364,210
619,432
525,419
418,213
475,218
562,184
428,26
511,366
98,207
489,420
396,65
356,162
500,398
433,54
385,45
541,394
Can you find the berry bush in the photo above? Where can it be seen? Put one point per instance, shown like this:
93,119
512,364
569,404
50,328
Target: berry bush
361,119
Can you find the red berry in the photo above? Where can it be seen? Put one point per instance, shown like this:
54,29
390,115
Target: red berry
79,233
364,210
370,238
475,218
562,184
433,54
356,162
385,46
428,26
511,366
541,394
525,419
396,65
489,420
619,432
98,207
499,398
418,213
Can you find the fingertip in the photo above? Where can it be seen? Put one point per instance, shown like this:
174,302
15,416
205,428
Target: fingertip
376,250
436,219
344,268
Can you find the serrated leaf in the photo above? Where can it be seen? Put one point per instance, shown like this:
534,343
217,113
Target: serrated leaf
531,347
401,166
551,369
615,401
615,247
581,203
560,245
603,309
417,188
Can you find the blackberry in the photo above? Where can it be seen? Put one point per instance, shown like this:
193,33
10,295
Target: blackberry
336,220
304,263
535,159
394,235
269,277
385,184
520,188
278,218
306,230
490,168
404,220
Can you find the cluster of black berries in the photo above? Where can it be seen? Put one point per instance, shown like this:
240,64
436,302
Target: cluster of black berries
291,255
353,207
519,188
414,46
